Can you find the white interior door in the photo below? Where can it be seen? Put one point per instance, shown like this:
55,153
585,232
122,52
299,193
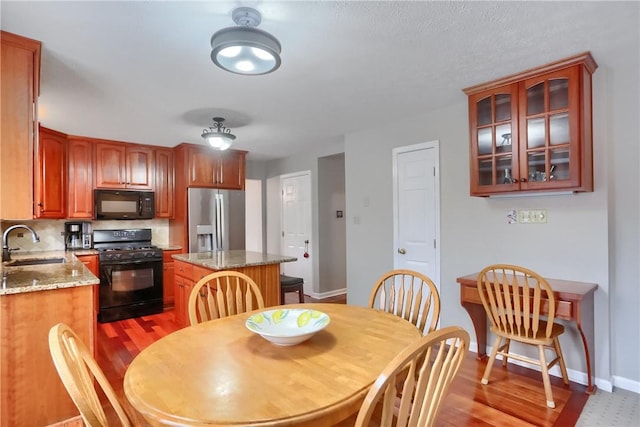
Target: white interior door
416,209
296,226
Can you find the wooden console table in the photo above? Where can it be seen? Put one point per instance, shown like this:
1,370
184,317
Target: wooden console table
574,303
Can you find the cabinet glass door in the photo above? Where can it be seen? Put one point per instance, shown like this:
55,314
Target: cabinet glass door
547,130
493,140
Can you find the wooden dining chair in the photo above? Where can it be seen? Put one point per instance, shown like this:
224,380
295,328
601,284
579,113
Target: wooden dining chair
514,298
223,294
410,295
79,373
432,364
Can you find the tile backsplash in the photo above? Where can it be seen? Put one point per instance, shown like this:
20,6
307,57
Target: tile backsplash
51,232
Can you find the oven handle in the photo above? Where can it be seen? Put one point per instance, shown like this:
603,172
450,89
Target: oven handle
108,277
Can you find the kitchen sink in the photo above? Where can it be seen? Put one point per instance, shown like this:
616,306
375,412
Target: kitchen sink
34,261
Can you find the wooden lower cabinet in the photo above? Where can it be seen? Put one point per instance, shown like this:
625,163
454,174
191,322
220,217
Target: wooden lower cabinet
31,393
92,263
183,285
168,279
267,277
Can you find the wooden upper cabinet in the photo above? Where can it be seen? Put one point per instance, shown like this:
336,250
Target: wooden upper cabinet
140,167
80,178
164,182
110,167
50,187
202,168
532,131
216,169
121,165
232,169
20,82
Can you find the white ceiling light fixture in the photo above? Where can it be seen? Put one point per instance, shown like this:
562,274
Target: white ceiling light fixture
218,136
245,49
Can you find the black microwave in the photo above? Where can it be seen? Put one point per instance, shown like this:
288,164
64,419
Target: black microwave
122,204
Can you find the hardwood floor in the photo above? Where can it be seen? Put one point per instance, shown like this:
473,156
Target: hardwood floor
513,397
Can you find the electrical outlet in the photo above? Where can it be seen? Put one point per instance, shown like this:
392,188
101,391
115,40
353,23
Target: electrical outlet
535,216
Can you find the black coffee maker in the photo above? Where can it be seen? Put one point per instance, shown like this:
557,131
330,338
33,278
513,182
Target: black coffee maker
77,235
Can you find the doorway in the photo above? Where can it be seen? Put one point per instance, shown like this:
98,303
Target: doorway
416,209
296,226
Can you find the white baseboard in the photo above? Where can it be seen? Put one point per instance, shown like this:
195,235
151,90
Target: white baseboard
328,294
626,384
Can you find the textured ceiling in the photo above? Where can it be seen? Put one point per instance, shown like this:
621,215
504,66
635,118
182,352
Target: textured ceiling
141,71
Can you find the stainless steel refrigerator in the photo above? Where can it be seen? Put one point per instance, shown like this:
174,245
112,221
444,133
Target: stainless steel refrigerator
216,219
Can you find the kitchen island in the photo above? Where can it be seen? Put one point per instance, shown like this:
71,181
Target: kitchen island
33,298
262,267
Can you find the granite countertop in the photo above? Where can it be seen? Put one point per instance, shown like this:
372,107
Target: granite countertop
43,277
222,260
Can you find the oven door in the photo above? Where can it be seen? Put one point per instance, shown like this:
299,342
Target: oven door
130,289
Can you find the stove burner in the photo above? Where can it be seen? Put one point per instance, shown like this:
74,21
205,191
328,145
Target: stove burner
122,245
125,248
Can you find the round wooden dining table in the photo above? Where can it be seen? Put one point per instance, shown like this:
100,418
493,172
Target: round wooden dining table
219,373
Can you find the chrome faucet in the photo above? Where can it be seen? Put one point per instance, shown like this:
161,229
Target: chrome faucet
6,251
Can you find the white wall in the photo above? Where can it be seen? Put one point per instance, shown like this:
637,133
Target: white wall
574,244
274,226
622,109
253,215
332,238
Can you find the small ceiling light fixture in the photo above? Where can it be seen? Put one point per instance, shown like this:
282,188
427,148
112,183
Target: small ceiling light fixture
218,136
245,49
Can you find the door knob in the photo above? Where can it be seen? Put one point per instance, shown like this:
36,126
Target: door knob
402,251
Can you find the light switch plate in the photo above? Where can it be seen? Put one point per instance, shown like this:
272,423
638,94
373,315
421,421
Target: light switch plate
534,216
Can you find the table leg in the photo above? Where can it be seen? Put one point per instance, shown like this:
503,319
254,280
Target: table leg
479,320
591,388
586,330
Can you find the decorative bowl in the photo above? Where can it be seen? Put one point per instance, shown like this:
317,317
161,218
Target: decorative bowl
287,326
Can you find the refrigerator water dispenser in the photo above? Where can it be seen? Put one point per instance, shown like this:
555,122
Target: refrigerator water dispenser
205,238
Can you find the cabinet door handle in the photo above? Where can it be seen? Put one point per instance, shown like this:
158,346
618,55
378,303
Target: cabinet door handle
402,251
523,179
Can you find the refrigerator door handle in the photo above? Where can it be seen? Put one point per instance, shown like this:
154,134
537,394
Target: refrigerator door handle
219,221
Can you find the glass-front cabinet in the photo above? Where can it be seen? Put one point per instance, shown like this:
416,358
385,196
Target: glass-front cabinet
494,139
532,131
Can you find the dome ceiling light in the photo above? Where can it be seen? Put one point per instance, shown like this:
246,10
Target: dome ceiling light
245,49
218,136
